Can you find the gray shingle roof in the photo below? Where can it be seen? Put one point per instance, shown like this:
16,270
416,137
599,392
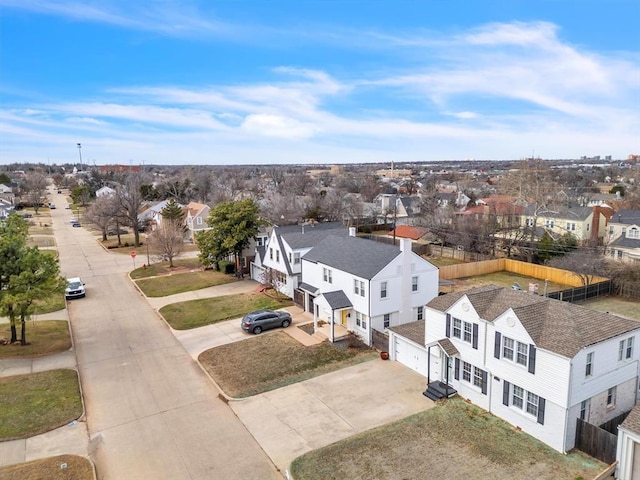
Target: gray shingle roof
564,213
306,236
448,347
560,327
359,257
632,422
626,242
414,331
626,217
337,299
308,287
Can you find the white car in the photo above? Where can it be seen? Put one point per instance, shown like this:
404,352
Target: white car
75,288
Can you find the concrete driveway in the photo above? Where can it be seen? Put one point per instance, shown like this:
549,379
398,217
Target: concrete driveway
302,417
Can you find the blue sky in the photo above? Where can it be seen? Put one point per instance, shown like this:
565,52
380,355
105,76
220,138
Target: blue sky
317,81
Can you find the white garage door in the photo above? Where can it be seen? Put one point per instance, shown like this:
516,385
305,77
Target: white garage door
411,355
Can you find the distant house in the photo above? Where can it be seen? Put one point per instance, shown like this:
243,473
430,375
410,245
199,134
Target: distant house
196,219
281,257
105,192
539,364
7,192
6,208
366,286
624,236
150,217
586,224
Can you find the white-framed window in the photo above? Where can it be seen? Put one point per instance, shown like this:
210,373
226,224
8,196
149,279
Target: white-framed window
327,275
508,348
550,223
383,289
289,255
271,254
468,332
522,354
278,256
584,409
457,328
420,313
199,220
414,283
387,320
611,230
466,371
633,233
361,288
571,226
588,227
356,286
296,258
361,320
611,397
588,369
477,377
518,397
529,222
532,404
260,241
625,350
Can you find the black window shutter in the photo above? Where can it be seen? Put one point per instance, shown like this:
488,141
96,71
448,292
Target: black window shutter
541,405
456,372
532,359
448,325
484,382
497,344
475,336
505,393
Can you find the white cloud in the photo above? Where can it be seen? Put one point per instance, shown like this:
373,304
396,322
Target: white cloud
277,126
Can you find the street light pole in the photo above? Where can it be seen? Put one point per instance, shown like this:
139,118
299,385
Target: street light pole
80,153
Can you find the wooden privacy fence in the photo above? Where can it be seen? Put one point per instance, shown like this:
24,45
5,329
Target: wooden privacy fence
542,272
596,441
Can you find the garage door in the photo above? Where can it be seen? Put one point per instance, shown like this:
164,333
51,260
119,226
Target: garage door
411,355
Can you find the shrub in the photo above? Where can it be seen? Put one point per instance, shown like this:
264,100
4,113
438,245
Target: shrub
226,267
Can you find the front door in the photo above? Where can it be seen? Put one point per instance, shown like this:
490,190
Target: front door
344,318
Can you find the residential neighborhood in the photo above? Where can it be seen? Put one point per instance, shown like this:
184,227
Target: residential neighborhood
382,285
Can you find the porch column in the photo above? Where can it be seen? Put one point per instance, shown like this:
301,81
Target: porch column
333,336
315,320
428,363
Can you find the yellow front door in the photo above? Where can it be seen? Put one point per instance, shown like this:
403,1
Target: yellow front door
344,318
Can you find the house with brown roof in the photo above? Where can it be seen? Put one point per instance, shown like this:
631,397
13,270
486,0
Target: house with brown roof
537,363
196,218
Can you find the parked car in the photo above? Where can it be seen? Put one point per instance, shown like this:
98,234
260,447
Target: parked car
121,231
75,288
52,206
27,215
73,220
256,322
76,224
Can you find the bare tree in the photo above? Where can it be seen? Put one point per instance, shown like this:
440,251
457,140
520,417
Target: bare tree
101,213
167,241
130,200
584,264
35,187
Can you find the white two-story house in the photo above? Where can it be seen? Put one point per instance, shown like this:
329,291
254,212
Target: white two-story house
586,224
366,286
281,258
540,364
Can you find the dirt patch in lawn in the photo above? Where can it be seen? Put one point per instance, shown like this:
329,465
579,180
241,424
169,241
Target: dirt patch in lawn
453,440
273,360
61,467
505,279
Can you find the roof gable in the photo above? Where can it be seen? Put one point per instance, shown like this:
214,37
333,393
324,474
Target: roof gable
560,327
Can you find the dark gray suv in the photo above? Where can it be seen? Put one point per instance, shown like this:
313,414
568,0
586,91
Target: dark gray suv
256,322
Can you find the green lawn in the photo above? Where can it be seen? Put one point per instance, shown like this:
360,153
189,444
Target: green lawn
38,402
206,311
273,360
44,337
50,304
451,440
182,282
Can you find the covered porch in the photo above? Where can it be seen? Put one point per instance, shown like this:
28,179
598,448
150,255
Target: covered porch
438,381
331,315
